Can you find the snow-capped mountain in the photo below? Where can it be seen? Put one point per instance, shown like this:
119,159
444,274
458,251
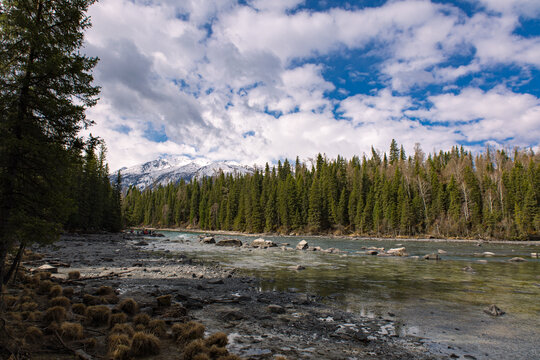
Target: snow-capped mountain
173,169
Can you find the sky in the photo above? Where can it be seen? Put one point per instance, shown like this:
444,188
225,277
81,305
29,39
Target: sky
256,81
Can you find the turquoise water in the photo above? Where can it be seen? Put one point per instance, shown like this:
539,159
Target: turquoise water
437,300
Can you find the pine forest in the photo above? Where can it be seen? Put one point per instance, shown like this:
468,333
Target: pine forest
494,194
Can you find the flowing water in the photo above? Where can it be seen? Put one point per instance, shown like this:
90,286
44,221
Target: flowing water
440,301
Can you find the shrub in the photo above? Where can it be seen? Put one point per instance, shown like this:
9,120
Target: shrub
45,286
71,331
43,275
144,344
74,275
229,357
109,299
118,318
55,313
79,309
164,301
121,352
194,348
10,300
29,306
55,291
140,327
219,339
157,327
123,329
98,315
105,290
34,316
117,339
91,299
68,292
143,319
216,352
129,306
33,334
60,301
188,331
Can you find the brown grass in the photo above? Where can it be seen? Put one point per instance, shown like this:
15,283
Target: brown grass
140,327
29,306
98,315
10,301
33,334
201,356
105,290
219,339
15,316
216,352
164,301
79,309
91,299
121,352
189,331
129,306
34,316
71,331
55,291
55,313
175,311
90,343
43,275
68,292
123,329
194,348
118,318
117,339
144,344
157,327
109,299
229,357
45,286
142,318
60,301
74,275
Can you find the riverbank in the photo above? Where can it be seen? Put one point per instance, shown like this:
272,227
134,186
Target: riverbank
259,324
352,236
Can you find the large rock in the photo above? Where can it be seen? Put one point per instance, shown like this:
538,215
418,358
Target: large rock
432,257
229,242
517,259
276,309
302,245
208,240
371,252
441,251
397,252
48,268
261,243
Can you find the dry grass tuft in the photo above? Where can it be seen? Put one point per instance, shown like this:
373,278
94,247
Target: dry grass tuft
55,291
121,353
98,315
140,327
189,331
118,318
202,356
123,329
55,313
164,301
114,340
34,316
194,348
15,316
71,331
10,301
280,358
79,309
229,357
33,334
105,290
60,301
217,352
43,275
175,311
219,339
144,344
68,292
142,318
45,286
91,299
157,328
29,306
109,299
74,275
129,306
90,343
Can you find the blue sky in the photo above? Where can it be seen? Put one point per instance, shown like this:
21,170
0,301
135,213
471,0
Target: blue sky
255,81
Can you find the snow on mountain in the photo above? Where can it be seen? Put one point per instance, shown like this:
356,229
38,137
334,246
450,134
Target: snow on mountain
173,169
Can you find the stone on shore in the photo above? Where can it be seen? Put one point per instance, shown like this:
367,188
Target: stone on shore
297,267
432,257
397,252
48,268
493,310
441,252
302,245
229,242
517,259
208,240
371,252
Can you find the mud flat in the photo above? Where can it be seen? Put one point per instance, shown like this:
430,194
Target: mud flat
259,324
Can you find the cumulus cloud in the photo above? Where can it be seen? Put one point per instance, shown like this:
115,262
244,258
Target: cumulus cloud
250,81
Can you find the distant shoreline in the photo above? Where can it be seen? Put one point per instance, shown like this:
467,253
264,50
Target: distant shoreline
352,237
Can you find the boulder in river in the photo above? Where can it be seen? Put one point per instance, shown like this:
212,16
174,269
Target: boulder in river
302,245
441,251
229,242
494,310
534,255
432,257
261,243
208,240
371,252
397,252
517,259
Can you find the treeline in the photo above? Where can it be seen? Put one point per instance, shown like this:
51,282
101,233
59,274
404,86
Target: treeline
96,203
450,194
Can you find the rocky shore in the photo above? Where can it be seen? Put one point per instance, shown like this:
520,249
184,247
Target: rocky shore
259,325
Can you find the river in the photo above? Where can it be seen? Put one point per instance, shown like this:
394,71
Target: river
440,301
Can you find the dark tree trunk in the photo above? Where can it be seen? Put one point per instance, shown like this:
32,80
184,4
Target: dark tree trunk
15,264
